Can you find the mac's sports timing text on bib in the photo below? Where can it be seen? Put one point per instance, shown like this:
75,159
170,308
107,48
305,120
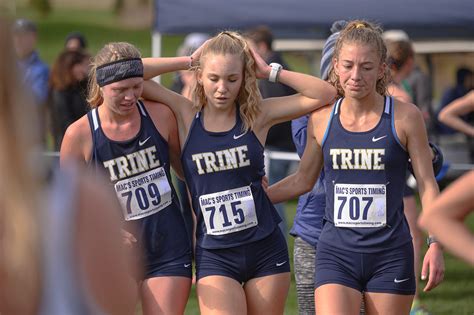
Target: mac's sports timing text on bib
228,211
144,194
360,205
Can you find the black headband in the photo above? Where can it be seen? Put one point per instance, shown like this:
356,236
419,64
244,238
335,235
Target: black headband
119,70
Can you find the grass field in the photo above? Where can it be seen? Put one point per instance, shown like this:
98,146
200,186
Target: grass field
456,293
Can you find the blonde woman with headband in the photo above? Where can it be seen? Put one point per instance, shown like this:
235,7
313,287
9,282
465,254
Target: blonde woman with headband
363,142
242,263
57,254
135,143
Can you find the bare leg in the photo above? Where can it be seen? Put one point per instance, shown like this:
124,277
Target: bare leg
165,295
267,295
336,299
387,304
221,295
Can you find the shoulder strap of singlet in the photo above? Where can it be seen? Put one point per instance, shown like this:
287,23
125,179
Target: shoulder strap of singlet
335,111
389,102
388,105
141,108
93,116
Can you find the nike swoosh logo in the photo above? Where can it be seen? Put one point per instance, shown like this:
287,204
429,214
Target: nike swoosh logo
140,143
241,135
377,139
280,264
187,265
401,280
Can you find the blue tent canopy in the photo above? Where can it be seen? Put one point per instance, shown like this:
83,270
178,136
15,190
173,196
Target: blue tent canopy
425,19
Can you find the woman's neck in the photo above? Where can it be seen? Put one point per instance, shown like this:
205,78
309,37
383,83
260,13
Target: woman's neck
217,120
356,106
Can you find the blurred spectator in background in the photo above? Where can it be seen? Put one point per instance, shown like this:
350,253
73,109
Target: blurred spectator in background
464,83
419,86
183,84
279,136
183,81
415,82
452,115
34,71
75,41
68,87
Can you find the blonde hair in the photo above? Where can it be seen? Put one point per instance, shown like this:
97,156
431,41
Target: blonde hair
20,247
232,43
365,33
109,53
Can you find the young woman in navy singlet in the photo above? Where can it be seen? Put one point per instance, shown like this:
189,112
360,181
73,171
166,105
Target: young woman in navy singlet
363,142
134,143
242,263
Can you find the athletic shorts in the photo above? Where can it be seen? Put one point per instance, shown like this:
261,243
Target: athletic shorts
265,257
390,271
178,267
408,191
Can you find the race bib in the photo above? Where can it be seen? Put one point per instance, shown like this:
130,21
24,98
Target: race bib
362,206
144,194
228,211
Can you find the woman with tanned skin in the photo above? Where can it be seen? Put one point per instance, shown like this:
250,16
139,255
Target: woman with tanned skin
363,142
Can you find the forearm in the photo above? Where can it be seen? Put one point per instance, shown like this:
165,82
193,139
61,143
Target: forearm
308,85
427,196
288,188
451,233
457,123
153,67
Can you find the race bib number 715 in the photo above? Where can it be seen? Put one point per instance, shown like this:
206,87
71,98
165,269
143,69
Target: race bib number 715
228,211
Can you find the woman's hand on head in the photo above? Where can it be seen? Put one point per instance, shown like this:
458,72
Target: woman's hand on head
196,55
262,69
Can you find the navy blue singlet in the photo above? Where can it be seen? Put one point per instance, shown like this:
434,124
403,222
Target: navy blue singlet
139,170
365,179
224,172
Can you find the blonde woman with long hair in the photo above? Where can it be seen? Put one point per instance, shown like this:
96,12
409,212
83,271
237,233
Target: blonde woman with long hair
242,264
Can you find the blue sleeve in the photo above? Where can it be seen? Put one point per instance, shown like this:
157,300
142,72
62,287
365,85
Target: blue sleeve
298,131
39,83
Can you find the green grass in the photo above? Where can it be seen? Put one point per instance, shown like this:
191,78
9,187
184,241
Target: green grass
454,296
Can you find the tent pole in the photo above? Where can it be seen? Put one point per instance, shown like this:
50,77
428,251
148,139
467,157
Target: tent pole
156,38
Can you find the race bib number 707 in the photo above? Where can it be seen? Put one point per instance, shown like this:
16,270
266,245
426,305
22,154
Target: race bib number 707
360,205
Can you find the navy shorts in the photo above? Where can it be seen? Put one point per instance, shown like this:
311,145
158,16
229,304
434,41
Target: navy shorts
178,267
390,271
408,191
257,259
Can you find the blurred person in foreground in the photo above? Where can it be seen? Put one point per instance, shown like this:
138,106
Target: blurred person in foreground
58,254
446,214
